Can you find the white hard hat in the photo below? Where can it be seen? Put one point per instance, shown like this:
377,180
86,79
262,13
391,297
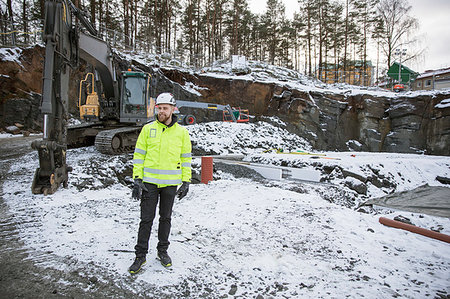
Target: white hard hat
165,98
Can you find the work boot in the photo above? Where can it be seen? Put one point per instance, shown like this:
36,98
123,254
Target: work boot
137,265
164,258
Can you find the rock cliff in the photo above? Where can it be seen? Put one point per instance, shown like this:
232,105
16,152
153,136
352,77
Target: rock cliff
380,122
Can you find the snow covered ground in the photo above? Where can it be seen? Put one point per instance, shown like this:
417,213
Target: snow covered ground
239,237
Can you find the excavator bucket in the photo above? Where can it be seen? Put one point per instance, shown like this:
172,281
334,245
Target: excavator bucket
54,169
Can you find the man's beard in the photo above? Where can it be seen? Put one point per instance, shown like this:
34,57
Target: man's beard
163,118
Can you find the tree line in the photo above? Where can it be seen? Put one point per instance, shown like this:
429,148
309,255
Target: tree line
323,33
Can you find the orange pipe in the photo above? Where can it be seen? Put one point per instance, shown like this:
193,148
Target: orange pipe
415,229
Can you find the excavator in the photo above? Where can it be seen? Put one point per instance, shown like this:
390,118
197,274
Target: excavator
124,106
115,114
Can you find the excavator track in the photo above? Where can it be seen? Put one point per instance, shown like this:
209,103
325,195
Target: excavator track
83,134
117,141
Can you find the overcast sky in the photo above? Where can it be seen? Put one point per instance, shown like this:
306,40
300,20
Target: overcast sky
434,31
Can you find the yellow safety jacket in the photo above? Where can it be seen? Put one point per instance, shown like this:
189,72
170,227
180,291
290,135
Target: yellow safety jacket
162,155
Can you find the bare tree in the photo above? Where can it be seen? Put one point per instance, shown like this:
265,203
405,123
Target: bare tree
398,25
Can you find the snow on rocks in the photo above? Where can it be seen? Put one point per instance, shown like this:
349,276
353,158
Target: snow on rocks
234,138
11,54
369,175
237,237
12,130
443,104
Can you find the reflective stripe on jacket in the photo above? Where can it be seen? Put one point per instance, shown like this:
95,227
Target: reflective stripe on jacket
162,155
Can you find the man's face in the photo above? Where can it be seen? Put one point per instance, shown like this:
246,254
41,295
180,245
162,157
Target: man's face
165,112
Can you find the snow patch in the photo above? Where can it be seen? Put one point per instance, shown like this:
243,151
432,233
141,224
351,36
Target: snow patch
11,54
235,138
194,89
443,104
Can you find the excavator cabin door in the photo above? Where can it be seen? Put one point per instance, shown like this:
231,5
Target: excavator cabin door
136,105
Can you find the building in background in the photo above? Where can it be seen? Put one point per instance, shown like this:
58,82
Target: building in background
433,79
404,75
354,74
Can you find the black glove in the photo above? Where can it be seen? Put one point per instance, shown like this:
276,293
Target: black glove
183,190
137,189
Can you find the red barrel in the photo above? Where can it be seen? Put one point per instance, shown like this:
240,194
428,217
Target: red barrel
207,169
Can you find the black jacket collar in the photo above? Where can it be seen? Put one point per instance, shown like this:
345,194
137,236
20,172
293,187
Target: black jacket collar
174,120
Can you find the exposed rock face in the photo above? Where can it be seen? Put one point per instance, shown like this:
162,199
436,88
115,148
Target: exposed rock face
21,88
23,110
330,121
342,122
17,80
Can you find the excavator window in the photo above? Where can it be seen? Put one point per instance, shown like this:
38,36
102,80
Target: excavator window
134,95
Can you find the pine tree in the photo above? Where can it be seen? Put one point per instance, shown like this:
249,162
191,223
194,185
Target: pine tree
235,15
25,19
365,12
192,31
377,35
309,12
126,21
336,35
215,14
323,23
298,26
92,8
273,18
11,20
258,34
351,38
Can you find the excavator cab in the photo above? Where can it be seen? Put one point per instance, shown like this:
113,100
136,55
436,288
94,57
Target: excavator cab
90,106
136,104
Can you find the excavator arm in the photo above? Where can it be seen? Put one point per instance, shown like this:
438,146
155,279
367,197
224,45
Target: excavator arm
64,45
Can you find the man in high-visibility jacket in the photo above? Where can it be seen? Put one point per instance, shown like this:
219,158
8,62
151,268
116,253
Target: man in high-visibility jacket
161,162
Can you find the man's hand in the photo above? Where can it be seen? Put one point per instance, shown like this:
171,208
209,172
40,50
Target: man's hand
137,189
183,190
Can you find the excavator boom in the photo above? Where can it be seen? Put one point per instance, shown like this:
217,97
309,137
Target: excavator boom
53,168
65,44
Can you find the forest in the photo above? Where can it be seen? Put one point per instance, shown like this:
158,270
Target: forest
324,36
